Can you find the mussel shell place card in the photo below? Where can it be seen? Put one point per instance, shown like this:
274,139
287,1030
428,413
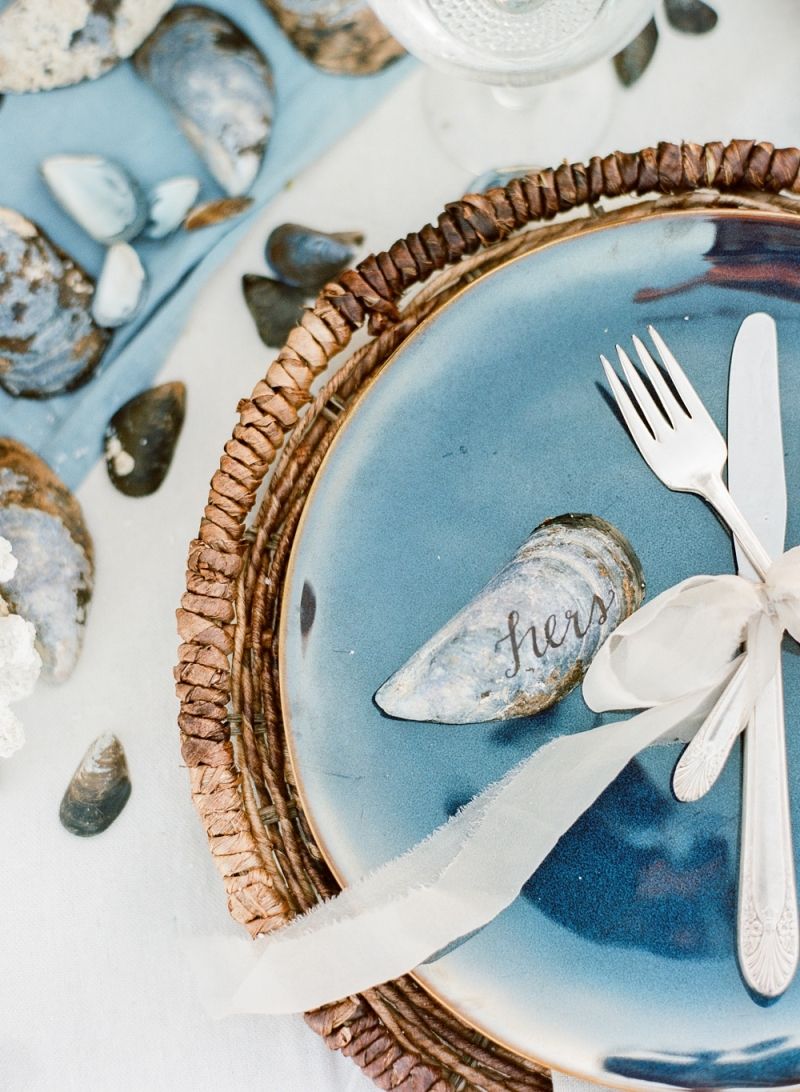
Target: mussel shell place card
132,120
617,962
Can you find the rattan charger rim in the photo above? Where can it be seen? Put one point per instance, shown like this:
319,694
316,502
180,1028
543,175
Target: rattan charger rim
227,675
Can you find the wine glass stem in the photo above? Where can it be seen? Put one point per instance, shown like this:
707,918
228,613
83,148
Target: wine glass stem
516,98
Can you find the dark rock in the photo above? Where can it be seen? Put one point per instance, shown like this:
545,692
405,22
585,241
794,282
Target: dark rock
99,789
141,436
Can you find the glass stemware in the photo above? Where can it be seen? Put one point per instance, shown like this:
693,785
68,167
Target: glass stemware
514,81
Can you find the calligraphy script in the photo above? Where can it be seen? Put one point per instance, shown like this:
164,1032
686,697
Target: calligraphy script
539,639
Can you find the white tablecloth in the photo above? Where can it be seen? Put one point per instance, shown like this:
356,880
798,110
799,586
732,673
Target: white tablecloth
94,993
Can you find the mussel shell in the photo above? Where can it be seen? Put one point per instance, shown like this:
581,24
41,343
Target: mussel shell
98,194
340,36
691,16
632,62
52,584
498,177
216,211
219,87
276,307
528,638
140,439
307,258
99,789
49,43
48,341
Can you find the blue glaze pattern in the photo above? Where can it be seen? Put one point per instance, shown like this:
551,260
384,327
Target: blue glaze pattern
617,963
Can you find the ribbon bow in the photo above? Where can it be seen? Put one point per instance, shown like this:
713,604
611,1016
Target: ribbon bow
709,644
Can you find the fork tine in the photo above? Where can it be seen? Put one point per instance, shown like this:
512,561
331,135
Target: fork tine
673,410
644,399
636,426
676,373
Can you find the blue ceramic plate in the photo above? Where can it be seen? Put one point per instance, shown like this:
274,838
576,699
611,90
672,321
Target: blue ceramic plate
617,962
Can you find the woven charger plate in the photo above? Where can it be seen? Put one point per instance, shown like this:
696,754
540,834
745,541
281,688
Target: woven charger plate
231,722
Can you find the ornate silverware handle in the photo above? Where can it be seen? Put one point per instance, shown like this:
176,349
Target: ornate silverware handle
768,920
767,916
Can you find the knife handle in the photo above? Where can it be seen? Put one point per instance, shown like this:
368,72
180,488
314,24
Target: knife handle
768,936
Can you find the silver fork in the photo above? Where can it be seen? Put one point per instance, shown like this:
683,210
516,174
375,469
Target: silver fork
685,449
680,442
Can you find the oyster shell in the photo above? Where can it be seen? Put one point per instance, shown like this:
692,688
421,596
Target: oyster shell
98,194
307,258
209,213
121,288
340,36
141,436
528,638
169,202
99,789
52,43
52,584
276,307
48,341
219,87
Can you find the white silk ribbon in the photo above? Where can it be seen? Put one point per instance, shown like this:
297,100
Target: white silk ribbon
674,658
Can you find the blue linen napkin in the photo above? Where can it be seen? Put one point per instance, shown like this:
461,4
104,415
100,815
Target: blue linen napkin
121,117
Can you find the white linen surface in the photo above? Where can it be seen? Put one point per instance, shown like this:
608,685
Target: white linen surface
94,991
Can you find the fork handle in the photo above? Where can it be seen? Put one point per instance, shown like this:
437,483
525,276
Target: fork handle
715,491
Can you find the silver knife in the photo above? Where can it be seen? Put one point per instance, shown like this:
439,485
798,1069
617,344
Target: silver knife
767,912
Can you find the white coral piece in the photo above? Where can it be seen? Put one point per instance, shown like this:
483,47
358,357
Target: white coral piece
8,563
52,43
20,663
12,735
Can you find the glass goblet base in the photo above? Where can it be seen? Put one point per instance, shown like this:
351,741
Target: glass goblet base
482,127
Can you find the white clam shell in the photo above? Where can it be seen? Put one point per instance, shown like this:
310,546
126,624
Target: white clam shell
121,287
169,202
98,194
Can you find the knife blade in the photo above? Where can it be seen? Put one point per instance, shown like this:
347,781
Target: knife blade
767,916
756,476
